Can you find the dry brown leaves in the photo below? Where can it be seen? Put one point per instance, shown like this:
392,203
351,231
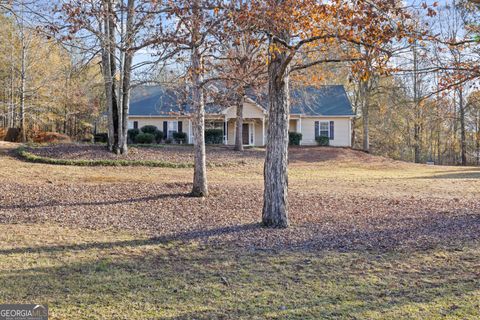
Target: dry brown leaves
175,154
232,213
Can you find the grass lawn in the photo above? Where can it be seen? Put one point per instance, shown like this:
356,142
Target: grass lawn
370,239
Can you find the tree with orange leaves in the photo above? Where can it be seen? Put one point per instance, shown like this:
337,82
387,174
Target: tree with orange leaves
296,31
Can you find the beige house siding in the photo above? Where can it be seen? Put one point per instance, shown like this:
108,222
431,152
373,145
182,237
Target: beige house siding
249,111
255,117
342,134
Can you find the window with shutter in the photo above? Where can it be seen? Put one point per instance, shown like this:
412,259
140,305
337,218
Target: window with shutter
172,127
323,129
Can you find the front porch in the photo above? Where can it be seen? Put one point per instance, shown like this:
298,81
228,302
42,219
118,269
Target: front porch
254,129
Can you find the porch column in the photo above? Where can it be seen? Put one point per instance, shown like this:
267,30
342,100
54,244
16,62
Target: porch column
263,131
225,130
189,131
299,127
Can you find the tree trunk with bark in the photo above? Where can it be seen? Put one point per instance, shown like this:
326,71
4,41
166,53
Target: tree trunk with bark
113,72
239,123
416,101
365,98
23,79
126,78
200,188
275,196
108,78
463,136
109,70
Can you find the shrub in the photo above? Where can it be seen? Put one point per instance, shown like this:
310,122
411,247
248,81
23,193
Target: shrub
132,134
214,136
50,137
180,137
149,129
145,138
158,136
294,138
100,137
322,141
168,141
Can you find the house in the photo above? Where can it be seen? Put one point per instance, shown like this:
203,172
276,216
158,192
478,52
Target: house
324,111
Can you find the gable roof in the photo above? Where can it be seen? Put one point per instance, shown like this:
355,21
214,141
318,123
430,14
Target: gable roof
311,101
329,100
326,101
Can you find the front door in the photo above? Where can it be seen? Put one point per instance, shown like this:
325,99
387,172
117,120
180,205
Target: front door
245,134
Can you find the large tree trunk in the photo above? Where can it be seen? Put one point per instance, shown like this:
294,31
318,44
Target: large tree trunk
365,98
127,71
113,65
275,201
199,188
239,123
109,71
107,78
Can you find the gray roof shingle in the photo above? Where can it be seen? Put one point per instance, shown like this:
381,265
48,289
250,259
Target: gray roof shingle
311,101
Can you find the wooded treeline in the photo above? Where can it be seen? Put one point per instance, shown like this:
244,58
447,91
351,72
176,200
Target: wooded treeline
45,87
411,70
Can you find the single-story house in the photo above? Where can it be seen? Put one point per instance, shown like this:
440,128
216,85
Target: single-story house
314,111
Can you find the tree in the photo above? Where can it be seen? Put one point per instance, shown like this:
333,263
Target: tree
117,29
241,64
295,25
34,71
195,28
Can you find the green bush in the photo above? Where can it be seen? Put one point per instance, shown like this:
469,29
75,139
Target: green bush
149,129
158,136
214,136
145,138
180,137
294,138
100,137
322,141
132,134
168,141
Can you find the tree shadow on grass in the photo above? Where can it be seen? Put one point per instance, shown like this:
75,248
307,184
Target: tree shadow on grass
464,174
228,283
181,236
460,173
423,233
96,203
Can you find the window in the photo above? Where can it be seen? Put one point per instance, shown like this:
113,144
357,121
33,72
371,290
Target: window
213,125
172,127
323,129
135,124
